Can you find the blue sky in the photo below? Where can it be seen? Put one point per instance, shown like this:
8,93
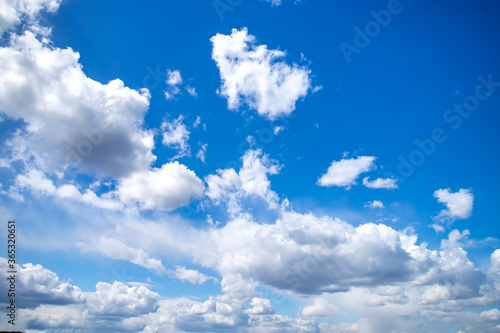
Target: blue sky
251,165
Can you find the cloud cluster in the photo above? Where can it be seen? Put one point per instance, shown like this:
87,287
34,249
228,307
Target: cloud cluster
12,12
38,183
253,75
176,135
345,172
374,204
166,188
76,125
174,81
70,117
370,277
382,274
231,187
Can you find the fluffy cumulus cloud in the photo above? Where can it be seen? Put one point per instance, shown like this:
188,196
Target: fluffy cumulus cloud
344,173
251,181
75,120
252,74
458,204
50,303
320,308
495,261
313,255
386,183
37,285
121,300
166,188
73,125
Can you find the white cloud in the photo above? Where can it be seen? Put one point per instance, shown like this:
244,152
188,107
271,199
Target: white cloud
115,249
173,78
374,204
51,303
253,175
250,140
372,271
344,173
437,227
493,314
12,12
191,91
274,2
171,186
176,135
387,183
197,122
201,154
454,238
278,3
36,285
495,261
320,308
311,255
458,204
166,188
70,118
56,317
173,81
219,185
251,180
190,275
120,300
188,315
317,88
252,75
38,183
260,306
278,129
